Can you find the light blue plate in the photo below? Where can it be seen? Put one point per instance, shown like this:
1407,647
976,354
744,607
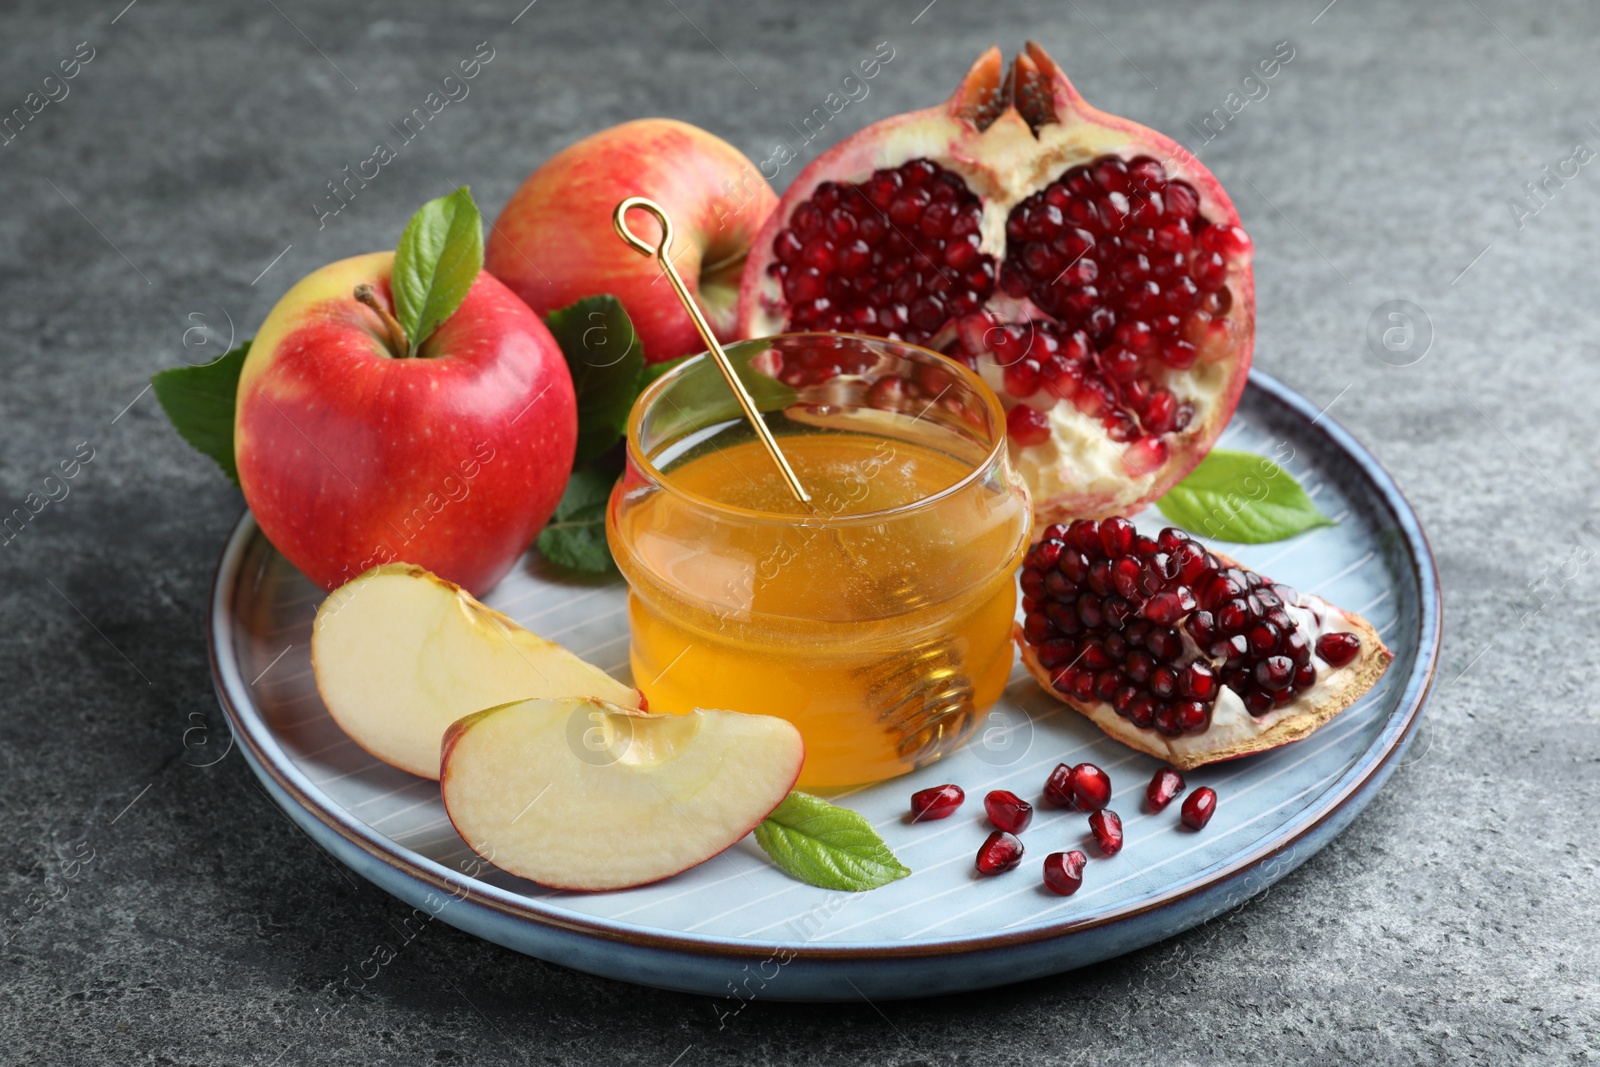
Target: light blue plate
736,926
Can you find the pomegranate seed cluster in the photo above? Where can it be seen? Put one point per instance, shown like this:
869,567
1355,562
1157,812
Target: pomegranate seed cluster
1084,788
1154,627
896,256
1134,278
1129,281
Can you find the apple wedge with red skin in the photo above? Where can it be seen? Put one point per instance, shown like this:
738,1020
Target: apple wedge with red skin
452,459
553,244
399,654
584,795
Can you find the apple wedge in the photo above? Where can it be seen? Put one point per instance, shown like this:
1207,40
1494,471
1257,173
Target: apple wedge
400,654
582,794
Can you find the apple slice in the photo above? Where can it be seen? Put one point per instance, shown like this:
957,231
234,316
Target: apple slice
581,794
400,654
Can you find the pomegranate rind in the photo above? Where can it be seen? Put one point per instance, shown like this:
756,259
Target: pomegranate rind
1076,473
1338,689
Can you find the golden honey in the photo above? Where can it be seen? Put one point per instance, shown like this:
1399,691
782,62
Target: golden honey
877,617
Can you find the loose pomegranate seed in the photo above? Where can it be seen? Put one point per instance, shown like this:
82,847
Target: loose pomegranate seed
1063,872
1165,785
1199,807
1027,425
937,803
1338,649
1058,787
1007,811
1106,826
999,852
1091,787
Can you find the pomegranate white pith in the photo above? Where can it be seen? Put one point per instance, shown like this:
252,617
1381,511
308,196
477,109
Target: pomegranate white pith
1091,269
1129,631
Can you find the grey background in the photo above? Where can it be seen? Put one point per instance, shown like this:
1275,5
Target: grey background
1455,922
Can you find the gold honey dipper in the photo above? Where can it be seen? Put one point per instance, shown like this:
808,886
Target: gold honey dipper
924,694
662,253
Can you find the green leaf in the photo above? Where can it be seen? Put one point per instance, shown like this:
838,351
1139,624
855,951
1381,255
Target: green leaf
606,361
827,846
653,371
705,399
200,402
1243,498
576,536
438,258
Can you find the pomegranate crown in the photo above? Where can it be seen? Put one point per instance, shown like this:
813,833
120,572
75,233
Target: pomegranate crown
1033,86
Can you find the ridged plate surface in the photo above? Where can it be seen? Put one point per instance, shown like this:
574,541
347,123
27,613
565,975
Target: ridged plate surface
737,919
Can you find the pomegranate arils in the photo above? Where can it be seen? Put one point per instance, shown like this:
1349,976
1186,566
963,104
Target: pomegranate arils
1154,628
1115,293
1199,807
936,803
1091,787
999,852
1106,826
1027,425
1198,681
1112,256
1164,786
1007,811
906,240
1063,872
1274,672
1058,787
1338,649
899,255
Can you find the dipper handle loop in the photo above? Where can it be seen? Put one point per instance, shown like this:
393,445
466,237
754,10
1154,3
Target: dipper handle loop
662,253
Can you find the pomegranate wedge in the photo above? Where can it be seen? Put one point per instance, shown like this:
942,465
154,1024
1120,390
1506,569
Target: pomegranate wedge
1179,651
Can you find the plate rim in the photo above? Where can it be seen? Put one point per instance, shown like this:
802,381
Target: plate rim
267,756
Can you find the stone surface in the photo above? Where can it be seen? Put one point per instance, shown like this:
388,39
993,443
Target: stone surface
157,912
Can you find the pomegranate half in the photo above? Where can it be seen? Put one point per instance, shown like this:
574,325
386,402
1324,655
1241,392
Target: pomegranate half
1182,653
1090,268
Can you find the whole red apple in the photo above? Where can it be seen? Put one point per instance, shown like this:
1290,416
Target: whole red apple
554,244
452,459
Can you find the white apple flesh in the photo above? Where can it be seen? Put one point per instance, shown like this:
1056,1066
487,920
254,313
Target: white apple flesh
581,794
400,654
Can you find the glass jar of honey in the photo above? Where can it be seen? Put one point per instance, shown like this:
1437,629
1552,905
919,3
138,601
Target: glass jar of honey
877,617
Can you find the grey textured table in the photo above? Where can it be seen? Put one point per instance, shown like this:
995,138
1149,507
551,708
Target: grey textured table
157,911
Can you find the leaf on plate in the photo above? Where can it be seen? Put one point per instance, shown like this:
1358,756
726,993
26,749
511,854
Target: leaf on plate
437,260
200,402
1243,498
576,535
827,846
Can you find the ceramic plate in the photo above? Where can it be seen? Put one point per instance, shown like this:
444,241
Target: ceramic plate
738,927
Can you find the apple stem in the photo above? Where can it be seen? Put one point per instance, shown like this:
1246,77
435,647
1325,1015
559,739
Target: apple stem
399,344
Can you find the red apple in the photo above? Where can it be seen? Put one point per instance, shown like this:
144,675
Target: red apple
554,244
452,459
